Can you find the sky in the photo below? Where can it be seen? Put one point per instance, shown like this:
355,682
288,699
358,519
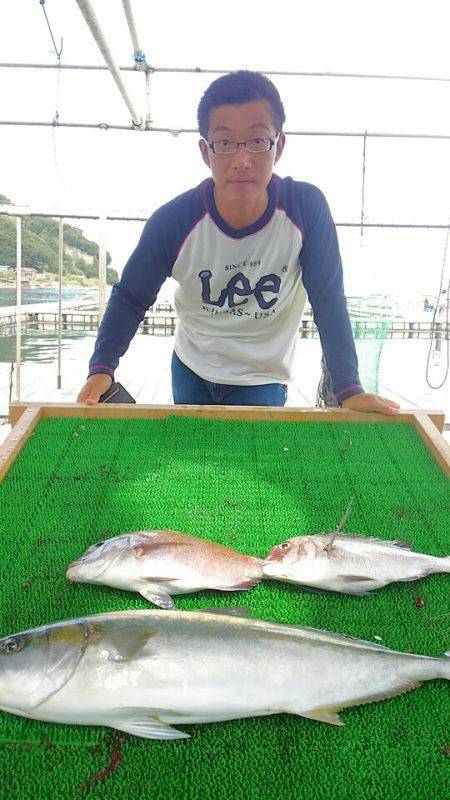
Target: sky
406,181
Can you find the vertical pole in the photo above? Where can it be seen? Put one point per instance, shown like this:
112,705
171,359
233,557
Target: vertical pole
18,302
101,268
148,119
60,261
363,183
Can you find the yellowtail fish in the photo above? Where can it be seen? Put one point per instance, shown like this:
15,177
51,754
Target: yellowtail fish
144,671
158,564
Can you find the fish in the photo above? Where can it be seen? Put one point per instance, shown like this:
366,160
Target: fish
162,563
348,563
145,672
355,564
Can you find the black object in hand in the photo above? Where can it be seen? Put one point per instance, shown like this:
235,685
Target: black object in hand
116,394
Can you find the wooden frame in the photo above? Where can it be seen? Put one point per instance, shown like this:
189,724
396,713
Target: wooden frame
24,418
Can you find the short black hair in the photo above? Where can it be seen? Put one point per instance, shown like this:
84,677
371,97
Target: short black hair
237,88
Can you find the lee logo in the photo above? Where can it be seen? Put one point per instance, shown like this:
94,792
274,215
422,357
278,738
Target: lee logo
240,286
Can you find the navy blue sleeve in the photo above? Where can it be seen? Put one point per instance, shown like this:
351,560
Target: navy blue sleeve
141,280
323,280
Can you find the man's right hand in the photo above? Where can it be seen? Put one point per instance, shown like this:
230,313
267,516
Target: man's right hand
95,386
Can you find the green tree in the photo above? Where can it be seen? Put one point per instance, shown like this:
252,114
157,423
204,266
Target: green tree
111,276
40,244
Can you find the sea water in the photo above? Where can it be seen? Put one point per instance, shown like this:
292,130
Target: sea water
46,294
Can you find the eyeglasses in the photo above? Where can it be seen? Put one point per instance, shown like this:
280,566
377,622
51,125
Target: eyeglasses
226,147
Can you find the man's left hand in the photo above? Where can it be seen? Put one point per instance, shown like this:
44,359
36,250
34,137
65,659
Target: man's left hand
371,402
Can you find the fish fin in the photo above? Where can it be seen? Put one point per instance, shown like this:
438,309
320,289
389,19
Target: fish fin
347,512
329,545
124,642
249,584
143,549
373,698
342,638
422,574
339,527
329,715
351,584
157,598
231,611
145,723
146,549
302,633
405,545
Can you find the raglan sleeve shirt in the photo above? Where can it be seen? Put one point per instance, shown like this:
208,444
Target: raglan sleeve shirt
158,248
322,277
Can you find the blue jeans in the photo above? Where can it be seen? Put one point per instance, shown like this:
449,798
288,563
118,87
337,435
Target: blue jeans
188,388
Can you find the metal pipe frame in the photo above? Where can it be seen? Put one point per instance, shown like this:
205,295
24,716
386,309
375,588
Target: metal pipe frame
20,211
102,268
94,26
139,57
176,131
206,71
60,265
18,302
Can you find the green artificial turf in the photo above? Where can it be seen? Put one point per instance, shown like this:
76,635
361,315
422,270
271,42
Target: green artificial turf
248,485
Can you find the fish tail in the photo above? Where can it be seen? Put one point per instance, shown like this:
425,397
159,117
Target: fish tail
445,562
429,668
444,665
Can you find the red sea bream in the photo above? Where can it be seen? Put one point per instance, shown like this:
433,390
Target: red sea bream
158,564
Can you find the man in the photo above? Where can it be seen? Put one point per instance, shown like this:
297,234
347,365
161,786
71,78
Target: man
247,248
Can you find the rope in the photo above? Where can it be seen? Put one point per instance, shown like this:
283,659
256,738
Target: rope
55,121
55,124
148,118
58,52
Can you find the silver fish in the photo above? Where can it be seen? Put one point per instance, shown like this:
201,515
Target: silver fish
142,671
158,564
348,563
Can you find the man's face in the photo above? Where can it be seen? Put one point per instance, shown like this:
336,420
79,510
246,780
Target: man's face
242,176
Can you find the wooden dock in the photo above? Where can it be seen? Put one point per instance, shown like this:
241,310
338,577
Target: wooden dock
161,320
145,371
32,313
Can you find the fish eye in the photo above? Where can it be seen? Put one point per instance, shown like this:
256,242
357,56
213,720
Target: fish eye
285,546
10,646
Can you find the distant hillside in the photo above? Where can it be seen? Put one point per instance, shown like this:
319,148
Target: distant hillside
40,237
